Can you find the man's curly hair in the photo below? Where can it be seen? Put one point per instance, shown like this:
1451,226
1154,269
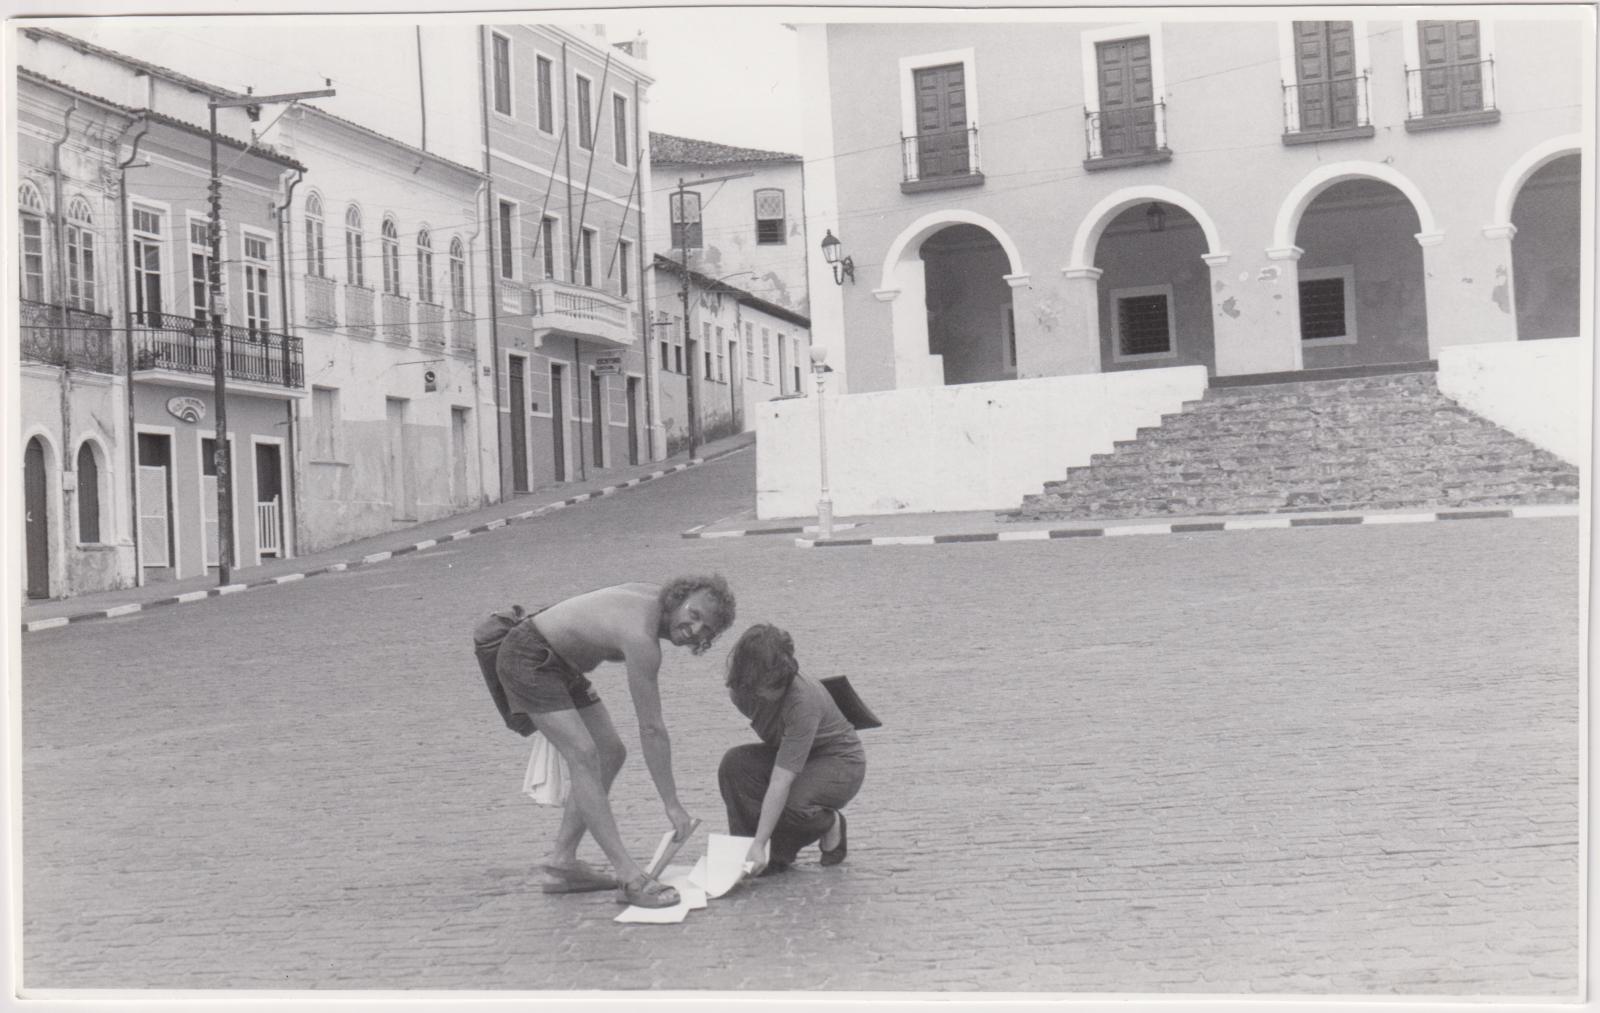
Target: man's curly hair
675,592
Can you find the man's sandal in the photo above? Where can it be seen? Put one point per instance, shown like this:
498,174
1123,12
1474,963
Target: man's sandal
579,877
647,892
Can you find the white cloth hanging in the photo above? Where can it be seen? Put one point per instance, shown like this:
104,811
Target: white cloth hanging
546,781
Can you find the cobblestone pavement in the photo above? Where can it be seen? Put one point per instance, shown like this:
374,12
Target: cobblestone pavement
1334,761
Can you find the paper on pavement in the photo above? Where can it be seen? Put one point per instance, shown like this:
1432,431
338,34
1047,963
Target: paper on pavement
724,863
690,898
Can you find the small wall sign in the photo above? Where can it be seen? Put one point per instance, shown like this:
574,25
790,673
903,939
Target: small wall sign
189,409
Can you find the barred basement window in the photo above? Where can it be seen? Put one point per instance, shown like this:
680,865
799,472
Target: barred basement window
1327,310
769,217
1142,322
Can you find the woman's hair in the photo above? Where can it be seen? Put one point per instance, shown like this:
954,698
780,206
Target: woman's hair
761,665
677,591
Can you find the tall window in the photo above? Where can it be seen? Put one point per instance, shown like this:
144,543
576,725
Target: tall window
147,266
770,228
88,495
355,265
706,347
315,262
80,255
502,74
391,257
794,366
30,215
1327,77
587,253
749,350
508,263
547,245
1141,322
585,114
1453,67
547,117
324,423
624,259
424,266
458,275
257,318
766,355
200,270
619,129
722,356
679,334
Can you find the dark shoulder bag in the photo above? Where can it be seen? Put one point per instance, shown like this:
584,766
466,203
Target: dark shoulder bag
486,639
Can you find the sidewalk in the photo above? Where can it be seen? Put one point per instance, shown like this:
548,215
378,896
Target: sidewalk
984,526
368,551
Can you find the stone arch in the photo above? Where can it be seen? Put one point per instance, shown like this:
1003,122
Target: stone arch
53,520
910,239
1095,221
1541,155
104,487
1318,180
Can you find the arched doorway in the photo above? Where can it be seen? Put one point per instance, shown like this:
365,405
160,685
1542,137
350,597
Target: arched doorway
1362,286
970,326
1545,250
36,518
1154,289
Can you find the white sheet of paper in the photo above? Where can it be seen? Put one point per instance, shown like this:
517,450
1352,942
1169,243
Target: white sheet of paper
725,862
656,915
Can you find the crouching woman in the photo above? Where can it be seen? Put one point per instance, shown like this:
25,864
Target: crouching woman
788,789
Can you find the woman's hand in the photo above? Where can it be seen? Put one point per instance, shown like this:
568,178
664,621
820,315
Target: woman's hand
756,857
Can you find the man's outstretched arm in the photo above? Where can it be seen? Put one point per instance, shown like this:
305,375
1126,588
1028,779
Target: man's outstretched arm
643,659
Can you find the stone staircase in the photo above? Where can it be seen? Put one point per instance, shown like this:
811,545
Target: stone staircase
1384,442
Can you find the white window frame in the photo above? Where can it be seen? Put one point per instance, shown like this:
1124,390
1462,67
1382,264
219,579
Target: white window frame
749,350
622,158
286,523
426,287
332,423
586,252
389,251
722,354
707,353
511,77
624,253
584,122
37,210
357,278
163,242
246,264
783,230
766,355
1290,72
1116,323
909,65
1346,272
460,297
192,219
1089,58
316,236
550,249
102,488
555,106
88,297
509,244
1413,58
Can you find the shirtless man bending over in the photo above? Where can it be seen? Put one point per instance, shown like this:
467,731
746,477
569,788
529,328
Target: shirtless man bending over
543,666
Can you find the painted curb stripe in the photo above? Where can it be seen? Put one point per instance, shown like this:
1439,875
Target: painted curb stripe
122,610
1399,518
229,589
1548,510
191,596
1024,536
1076,532
1474,515
1197,526
44,624
987,536
1138,529
1321,522
376,557
1254,523
288,578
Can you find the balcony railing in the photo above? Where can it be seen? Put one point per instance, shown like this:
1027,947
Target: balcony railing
1326,110
320,300
172,342
1129,135
396,316
358,309
1449,94
430,324
463,338
942,159
581,312
63,336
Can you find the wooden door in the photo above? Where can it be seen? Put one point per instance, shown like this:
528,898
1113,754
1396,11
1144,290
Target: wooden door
1452,68
1127,97
155,502
633,417
597,423
941,97
208,502
399,460
269,500
519,425
36,503
558,421
458,456
1325,62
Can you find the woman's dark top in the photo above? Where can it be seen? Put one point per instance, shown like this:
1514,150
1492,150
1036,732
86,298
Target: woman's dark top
804,722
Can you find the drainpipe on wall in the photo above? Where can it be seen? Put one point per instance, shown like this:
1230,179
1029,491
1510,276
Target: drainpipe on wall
494,294
127,342
291,408
66,360
477,372
579,393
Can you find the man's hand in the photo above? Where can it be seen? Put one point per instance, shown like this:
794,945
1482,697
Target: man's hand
682,824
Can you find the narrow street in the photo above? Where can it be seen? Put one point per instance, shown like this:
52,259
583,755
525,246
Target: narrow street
1319,761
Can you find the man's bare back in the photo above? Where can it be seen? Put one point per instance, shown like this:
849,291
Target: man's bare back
602,625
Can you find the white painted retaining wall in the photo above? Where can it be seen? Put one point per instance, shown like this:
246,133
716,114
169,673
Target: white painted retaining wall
1539,390
980,446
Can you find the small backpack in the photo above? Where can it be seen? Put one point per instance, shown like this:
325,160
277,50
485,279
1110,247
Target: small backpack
486,640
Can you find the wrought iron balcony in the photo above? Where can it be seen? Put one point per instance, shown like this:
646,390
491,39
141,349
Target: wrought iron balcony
1326,111
463,336
940,160
320,301
1129,135
396,317
430,324
62,336
1451,95
580,312
171,343
358,310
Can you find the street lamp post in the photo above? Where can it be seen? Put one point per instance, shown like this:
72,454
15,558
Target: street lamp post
819,371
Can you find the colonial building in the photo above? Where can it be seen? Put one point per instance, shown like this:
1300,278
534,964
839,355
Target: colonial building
385,256
740,220
1105,197
563,143
114,235
747,350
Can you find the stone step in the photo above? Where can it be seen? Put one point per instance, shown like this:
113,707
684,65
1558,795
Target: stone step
1308,473
1343,487
1043,508
1268,455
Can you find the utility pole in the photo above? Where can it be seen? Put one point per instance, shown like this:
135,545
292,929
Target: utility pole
223,455
688,321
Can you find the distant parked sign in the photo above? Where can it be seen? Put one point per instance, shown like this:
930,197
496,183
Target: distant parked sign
609,364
